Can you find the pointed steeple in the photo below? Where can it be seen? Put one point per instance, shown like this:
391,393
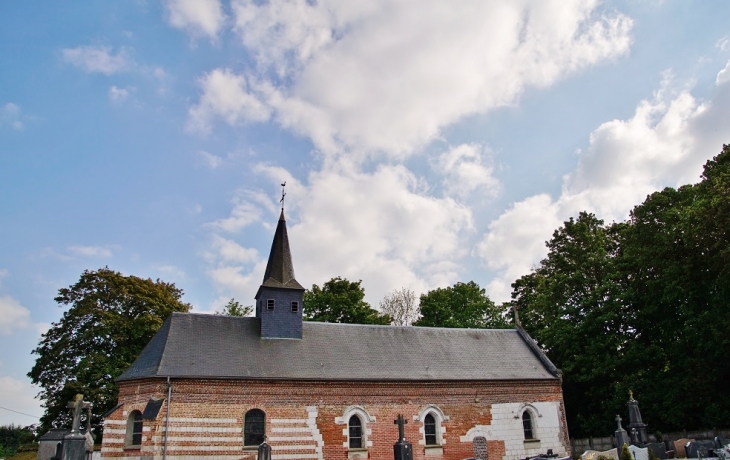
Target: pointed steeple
280,298
280,269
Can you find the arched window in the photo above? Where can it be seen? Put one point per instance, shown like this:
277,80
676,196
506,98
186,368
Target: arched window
254,427
133,437
429,429
354,426
527,425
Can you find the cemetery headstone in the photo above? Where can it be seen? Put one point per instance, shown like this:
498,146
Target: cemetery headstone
702,449
620,435
659,449
639,453
402,450
679,447
74,443
637,428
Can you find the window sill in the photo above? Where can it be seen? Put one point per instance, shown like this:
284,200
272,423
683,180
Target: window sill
434,450
532,443
132,447
357,453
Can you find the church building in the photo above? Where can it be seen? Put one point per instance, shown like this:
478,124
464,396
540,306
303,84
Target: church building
215,387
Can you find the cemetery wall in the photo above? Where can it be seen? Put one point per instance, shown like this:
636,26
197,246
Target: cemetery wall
309,419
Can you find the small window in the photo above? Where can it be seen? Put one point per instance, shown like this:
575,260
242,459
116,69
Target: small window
254,427
355,431
134,429
270,304
429,428
295,306
527,425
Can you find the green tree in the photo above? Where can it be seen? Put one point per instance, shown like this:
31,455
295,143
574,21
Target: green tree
570,305
340,301
234,308
12,436
110,319
461,305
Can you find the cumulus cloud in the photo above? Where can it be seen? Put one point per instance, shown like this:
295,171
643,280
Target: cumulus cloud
724,75
117,94
196,17
99,59
247,209
225,96
665,143
466,168
211,160
383,226
10,116
13,316
376,77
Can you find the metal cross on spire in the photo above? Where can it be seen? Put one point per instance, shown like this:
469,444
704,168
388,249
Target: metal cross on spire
283,194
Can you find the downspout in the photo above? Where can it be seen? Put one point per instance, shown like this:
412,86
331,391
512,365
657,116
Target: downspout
167,418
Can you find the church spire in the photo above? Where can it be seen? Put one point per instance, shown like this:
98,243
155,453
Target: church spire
280,299
280,269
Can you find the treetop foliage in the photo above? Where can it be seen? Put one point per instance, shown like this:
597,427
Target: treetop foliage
234,308
340,301
110,320
401,305
640,304
464,305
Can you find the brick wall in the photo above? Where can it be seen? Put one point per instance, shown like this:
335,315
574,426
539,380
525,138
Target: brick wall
306,419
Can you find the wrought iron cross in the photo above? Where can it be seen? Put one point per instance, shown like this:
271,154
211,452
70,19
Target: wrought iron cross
401,422
283,194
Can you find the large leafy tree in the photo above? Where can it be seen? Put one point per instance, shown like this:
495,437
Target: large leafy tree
461,305
569,304
340,301
110,319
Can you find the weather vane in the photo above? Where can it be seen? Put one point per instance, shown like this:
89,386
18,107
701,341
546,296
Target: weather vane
283,194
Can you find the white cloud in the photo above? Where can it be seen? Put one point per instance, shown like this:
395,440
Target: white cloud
723,43
10,115
466,170
246,211
724,75
99,59
13,316
372,76
117,94
665,143
90,251
211,160
231,252
18,395
226,96
383,226
196,17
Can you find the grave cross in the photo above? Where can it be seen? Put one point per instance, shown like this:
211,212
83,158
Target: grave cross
78,405
618,421
401,422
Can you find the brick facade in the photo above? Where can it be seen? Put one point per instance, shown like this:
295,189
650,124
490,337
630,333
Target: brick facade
307,420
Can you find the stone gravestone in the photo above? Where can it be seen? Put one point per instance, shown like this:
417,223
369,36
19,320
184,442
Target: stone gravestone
402,450
594,454
679,447
621,436
480,448
702,449
74,443
637,428
659,449
639,453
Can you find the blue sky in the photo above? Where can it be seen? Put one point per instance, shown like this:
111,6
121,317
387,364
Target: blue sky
422,143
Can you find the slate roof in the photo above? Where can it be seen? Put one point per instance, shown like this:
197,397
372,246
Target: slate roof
280,269
213,346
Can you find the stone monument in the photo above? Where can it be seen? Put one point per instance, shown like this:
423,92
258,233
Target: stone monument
402,450
636,426
621,436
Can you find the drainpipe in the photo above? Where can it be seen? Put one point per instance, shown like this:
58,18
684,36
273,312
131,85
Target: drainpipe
167,418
